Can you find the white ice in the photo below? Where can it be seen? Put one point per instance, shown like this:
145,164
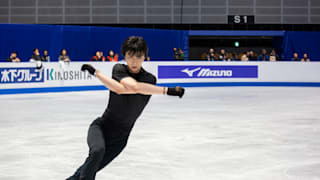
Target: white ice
220,133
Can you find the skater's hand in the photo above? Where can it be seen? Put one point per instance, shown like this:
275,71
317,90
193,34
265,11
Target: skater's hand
176,91
89,68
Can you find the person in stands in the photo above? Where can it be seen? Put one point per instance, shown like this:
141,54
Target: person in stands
98,57
112,57
13,57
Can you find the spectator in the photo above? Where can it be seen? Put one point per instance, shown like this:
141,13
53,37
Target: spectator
305,58
181,55
210,55
98,57
45,56
148,58
95,58
222,56
274,56
247,54
36,59
244,57
35,56
112,57
264,56
63,56
251,56
295,57
13,57
102,56
175,54
230,57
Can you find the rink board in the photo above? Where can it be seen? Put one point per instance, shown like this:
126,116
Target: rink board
55,77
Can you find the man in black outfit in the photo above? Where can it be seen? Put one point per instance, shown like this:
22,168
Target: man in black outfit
130,90
36,55
36,59
210,55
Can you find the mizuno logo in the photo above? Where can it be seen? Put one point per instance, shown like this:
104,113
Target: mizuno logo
207,72
190,72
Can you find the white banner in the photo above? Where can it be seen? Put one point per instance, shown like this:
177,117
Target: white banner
15,76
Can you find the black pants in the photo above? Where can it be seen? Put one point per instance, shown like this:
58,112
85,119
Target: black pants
101,152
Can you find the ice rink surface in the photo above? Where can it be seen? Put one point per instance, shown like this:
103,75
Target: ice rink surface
220,133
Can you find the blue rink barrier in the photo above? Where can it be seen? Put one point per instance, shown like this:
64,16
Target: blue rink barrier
82,42
202,84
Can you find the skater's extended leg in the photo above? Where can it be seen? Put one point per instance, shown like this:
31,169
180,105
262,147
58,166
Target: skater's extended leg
96,143
112,151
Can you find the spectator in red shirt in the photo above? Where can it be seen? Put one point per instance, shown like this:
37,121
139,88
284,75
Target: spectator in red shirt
102,56
112,57
98,57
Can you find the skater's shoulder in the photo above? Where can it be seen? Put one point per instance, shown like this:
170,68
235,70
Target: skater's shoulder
149,77
119,67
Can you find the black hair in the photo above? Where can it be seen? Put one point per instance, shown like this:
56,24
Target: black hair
135,45
14,52
35,49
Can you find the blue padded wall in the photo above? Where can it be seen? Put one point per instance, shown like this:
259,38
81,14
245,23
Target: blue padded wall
82,42
301,42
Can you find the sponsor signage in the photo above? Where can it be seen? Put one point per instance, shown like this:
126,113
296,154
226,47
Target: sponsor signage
53,75
33,75
189,72
21,75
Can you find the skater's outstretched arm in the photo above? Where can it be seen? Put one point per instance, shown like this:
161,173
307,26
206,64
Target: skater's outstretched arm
113,85
149,89
129,85
142,88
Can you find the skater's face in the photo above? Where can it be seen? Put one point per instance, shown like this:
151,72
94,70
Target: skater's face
134,62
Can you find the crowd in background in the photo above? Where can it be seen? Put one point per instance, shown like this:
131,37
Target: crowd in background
112,57
63,56
250,55
37,57
179,55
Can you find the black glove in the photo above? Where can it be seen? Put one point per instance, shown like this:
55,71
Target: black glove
176,91
89,68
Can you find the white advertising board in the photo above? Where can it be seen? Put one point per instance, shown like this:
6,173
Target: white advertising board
56,77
